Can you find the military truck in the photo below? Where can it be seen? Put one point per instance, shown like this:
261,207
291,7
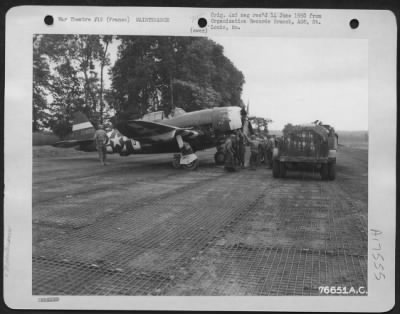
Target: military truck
308,146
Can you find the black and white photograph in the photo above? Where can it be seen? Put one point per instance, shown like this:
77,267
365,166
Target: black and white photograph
199,166
210,160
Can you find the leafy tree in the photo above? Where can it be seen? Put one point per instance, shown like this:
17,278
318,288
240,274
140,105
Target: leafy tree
66,78
104,61
164,72
134,75
41,74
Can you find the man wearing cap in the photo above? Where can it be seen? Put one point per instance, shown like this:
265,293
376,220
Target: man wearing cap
263,147
230,153
270,149
241,147
253,152
100,139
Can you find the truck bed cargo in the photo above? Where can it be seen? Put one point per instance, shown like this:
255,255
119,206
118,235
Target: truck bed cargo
311,144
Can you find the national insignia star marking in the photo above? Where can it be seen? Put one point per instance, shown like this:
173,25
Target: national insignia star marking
116,140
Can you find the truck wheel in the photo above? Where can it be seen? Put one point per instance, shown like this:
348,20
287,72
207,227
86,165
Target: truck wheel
282,169
275,168
219,158
324,171
332,170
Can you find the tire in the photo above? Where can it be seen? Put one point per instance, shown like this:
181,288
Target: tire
282,169
275,168
230,169
219,158
324,172
332,170
176,161
192,166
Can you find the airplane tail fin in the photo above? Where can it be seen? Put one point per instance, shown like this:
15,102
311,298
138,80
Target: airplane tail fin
82,134
82,128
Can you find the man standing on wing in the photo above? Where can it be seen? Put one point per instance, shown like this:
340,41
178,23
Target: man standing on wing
101,138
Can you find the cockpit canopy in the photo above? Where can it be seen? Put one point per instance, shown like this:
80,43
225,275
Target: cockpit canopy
160,115
154,116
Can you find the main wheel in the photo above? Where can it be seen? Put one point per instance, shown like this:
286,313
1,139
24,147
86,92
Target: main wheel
192,166
176,162
275,169
332,170
219,158
324,172
282,169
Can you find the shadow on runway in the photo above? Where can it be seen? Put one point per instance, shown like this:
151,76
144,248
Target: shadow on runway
302,175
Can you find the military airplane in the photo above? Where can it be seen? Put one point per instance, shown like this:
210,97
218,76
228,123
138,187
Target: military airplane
182,133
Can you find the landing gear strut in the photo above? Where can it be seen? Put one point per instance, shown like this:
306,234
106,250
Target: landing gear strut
187,159
176,162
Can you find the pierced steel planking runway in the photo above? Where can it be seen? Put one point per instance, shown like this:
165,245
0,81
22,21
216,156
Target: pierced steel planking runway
138,227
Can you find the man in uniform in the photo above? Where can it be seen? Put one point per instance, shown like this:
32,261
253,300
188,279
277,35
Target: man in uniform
230,153
270,148
241,147
101,138
264,145
253,152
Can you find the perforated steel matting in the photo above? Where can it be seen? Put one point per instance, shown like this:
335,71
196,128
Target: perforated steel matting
222,234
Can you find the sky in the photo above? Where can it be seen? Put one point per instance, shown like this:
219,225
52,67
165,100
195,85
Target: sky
300,80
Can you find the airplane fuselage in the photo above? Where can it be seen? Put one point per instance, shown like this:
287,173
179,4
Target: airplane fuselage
155,134
202,129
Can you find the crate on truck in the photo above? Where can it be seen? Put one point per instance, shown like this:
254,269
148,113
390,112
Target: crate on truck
309,146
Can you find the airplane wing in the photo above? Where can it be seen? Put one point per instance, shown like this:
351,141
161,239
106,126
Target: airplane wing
150,131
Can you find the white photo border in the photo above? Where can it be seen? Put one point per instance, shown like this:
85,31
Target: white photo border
377,27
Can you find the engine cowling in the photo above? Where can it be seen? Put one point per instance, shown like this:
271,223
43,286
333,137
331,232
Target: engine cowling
226,119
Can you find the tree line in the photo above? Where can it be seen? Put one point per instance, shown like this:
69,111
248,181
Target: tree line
150,73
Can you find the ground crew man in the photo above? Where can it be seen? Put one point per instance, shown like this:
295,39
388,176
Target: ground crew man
241,148
264,146
270,148
230,153
260,152
101,138
254,143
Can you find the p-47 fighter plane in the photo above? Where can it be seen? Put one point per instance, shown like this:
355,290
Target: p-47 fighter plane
183,133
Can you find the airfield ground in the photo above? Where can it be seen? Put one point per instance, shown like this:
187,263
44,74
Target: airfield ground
139,227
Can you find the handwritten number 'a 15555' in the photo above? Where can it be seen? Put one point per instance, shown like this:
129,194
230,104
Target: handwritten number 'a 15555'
379,269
